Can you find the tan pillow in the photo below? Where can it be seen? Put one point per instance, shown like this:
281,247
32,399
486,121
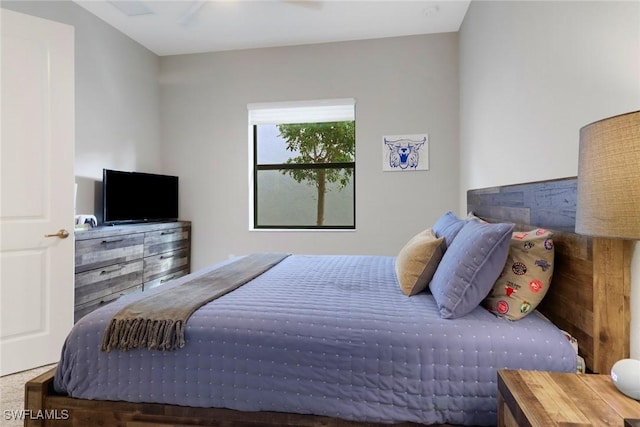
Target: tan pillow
526,276
417,261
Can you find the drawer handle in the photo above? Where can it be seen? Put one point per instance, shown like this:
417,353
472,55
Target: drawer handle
166,233
166,279
113,270
166,256
111,241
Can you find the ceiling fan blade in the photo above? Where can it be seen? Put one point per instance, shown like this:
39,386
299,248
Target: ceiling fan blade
311,4
131,8
190,12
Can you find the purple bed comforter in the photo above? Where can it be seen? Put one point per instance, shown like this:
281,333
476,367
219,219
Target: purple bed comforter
325,335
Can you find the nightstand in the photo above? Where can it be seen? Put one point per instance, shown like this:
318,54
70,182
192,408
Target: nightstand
532,398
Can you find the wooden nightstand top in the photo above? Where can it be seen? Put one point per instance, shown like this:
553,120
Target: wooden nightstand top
530,398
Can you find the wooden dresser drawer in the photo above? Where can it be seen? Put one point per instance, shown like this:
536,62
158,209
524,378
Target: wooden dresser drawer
96,253
83,309
164,279
111,279
156,242
165,264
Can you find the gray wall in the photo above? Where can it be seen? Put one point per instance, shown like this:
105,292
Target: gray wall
117,103
404,85
531,75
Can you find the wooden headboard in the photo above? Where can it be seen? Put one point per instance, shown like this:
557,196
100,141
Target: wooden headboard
589,293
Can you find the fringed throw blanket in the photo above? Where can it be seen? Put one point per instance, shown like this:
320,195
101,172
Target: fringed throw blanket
158,321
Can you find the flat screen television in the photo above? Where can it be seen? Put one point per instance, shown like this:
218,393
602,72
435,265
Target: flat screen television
130,197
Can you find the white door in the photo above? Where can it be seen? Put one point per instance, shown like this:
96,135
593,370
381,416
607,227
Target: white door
37,190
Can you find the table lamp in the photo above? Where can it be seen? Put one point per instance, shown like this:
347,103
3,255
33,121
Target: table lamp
609,200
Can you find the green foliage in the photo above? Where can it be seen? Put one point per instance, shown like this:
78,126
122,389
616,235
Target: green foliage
332,142
320,143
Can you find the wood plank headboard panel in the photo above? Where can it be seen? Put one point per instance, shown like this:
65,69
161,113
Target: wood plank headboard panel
589,293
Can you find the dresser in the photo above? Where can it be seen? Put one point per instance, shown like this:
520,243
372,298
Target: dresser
113,261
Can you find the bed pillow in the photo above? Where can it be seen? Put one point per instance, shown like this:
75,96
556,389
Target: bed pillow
448,226
526,276
470,267
417,261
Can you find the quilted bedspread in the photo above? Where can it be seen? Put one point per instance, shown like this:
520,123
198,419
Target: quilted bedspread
320,334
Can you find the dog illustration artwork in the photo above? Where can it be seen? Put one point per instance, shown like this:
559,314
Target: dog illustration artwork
404,152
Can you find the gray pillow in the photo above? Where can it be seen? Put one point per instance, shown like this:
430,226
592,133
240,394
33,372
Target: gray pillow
470,267
448,226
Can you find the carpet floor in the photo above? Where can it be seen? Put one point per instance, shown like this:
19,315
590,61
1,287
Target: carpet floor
12,395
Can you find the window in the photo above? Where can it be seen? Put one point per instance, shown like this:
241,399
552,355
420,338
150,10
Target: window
303,164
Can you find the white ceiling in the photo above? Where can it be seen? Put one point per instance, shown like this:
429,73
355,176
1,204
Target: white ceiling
189,26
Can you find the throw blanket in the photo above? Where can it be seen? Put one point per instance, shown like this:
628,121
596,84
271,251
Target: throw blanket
158,321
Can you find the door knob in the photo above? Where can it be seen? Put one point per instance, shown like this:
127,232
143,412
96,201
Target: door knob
62,233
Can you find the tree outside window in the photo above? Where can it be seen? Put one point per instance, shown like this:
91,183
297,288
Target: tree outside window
304,175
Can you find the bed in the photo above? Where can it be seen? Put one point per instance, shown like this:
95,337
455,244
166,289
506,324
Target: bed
367,359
